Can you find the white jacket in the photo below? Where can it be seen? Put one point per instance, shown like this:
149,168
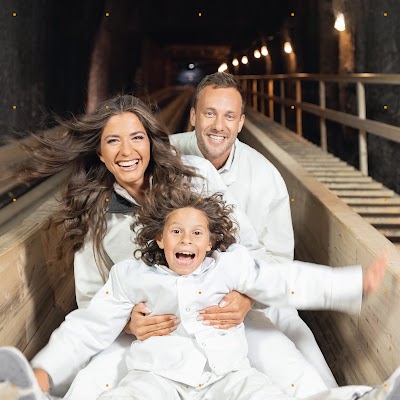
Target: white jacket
119,244
260,191
193,349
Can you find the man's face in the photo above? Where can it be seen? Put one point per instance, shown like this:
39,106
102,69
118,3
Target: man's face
217,119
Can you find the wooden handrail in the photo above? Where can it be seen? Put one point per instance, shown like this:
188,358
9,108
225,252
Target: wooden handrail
254,92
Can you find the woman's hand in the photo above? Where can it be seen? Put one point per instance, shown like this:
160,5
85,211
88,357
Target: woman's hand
42,378
144,327
230,311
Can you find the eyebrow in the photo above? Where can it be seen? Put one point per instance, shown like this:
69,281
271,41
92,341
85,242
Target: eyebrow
195,227
130,134
226,112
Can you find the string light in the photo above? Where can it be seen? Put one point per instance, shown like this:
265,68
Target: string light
235,62
223,67
287,48
264,50
245,60
339,23
257,53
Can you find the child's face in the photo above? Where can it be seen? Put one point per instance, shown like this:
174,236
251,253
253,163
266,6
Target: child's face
185,240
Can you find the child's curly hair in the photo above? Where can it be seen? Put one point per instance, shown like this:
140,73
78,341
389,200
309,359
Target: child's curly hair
155,209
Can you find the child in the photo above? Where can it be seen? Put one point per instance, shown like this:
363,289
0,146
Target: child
189,261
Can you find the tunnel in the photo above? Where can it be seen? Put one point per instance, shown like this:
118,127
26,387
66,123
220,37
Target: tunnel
321,84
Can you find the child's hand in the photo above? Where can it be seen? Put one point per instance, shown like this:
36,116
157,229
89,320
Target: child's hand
42,378
373,277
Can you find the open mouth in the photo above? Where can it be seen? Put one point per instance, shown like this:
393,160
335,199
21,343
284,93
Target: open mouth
185,257
128,164
217,139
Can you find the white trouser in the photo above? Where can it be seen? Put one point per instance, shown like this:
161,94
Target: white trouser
246,384
270,351
288,321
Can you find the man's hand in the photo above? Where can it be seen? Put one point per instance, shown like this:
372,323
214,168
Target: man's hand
230,311
144,327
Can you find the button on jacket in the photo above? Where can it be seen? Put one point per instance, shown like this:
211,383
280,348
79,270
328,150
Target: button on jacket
194,351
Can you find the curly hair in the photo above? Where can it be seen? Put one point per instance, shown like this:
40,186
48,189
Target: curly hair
82,210
155,210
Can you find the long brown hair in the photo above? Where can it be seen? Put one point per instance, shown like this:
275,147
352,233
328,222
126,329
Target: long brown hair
156,208
83,204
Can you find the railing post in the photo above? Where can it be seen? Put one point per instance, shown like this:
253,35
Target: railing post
254,91
322,121
244,86
362,135
299,122
270,100
282,95
262,98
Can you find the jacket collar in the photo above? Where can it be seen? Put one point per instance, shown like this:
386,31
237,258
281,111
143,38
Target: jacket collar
121,202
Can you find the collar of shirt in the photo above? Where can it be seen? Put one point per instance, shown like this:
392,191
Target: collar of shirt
203,267
227,166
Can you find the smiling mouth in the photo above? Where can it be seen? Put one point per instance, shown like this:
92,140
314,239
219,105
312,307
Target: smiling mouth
185,257
128,164
217,139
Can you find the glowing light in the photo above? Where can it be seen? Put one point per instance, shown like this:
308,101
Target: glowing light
245,60
287,47
223,67
339,23
264,51
191,66
235,62
257,54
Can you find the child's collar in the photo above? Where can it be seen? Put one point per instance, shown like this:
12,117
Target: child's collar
203,267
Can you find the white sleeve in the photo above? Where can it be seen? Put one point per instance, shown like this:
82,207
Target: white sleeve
85,332
304,286
276,222
87,276
213,183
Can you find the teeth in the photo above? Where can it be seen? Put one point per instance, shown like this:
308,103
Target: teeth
128,163
217,138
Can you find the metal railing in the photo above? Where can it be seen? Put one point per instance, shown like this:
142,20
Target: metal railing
259,89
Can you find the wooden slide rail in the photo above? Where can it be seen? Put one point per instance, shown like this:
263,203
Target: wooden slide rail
363,349
37,293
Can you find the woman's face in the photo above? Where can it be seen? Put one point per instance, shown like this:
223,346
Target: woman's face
125,151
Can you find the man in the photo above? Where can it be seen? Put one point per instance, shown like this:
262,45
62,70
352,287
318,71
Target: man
217,114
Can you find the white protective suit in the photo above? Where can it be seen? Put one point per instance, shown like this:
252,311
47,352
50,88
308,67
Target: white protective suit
195,355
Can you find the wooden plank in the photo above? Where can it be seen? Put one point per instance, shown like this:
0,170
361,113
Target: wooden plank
364,193
370,201
389,210
353,186
383,221
327,231
331,168
31,284
355,179
392,234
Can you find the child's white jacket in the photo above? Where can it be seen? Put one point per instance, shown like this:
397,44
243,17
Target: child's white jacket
183,355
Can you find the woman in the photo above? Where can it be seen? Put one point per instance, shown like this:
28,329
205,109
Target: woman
114,156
